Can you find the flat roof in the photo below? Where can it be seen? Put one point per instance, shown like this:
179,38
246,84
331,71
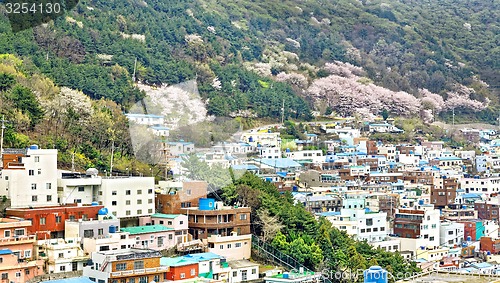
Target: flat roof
162,215
145,229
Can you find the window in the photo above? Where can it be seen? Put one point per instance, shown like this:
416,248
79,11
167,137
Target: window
170,236
27,271
37,158
127,212
49,198
27,253
114,193
139,264
6,233
127,202
88,233
221,247
369,222
139,192
121,266
183,275
235,273
188,192
150,200
254,270
100,231
33,186
31,172
243,217
150,191
160,241
150,210
42,220
228,246
61,255
181,222
139,201
169,222
58,219
237,245
5,275
127,192
114,203
139,211
19,232
193,272
131,280
431,239
18,274
39,171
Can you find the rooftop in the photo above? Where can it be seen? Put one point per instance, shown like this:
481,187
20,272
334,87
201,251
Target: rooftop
167,216
145,229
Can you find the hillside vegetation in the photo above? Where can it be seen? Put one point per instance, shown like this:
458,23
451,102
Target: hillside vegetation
237,49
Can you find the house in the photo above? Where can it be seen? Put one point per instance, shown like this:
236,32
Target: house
61,256
417,227
243,270
129,265
172,196
160,131
29,177
269,152
232,247
384,128
177,222
146,119
213,218
154,237
17,258
451,234
14,270
101,227
262,138
180,268
49,222
111,242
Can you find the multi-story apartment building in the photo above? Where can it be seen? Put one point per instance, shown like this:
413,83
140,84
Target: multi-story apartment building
80,229
488,210
129,265
455,212
485,186
17,256
269,152
420,223
29,177
173,196
443,191
49,222
212,218
451,234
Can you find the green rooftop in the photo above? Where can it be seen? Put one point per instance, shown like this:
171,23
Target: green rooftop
295,274
162,215
145,229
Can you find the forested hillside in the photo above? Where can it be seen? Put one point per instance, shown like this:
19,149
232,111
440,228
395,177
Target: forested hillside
237,50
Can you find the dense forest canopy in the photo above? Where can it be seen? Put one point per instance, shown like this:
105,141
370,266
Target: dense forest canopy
235,49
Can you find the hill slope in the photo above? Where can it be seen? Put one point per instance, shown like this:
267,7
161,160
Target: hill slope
402,45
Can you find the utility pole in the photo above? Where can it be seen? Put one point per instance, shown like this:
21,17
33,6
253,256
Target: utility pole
283,112
135,67
1,141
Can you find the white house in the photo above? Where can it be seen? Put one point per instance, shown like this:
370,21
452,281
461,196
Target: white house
146,119
451,234
29,177
243,271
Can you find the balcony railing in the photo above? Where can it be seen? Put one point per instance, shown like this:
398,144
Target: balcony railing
139,271
17,239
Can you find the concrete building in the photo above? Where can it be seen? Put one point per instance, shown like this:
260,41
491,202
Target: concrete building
128,198
451,234
112,242
146,119
130,265
61,256
49,222
269,152
421,225
233,247
29,177
485,186
177,222
262,138
80,229
154,237
213,218
14,270
171,196
444,191
243,271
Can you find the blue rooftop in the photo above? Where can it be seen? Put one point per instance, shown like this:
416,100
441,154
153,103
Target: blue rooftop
328,213
5,252
245,167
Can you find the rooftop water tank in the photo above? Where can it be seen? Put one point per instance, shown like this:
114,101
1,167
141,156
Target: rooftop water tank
103,211
286,275
469,238
94,203
92,172
287,149
421,202
250,139
112,229
207,204
34,147
375,274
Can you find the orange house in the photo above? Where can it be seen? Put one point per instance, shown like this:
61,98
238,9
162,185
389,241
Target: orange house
180,268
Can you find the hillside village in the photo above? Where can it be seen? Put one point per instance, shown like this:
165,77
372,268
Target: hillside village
436,205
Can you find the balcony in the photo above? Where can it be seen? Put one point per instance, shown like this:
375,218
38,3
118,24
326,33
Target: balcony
17,240
144,271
